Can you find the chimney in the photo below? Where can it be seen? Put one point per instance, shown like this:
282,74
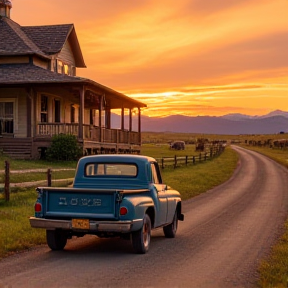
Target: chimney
5,6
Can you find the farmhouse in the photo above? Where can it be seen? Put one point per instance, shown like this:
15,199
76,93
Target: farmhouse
40,94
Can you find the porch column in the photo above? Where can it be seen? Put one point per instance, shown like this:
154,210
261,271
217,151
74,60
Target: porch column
29,112
122,119
130,120
108,118
34,113
81,113
100,118
130,124
139,125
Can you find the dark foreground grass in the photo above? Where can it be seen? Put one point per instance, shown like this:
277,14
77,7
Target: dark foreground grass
16,233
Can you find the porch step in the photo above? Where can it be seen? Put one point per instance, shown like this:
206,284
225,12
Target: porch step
16,148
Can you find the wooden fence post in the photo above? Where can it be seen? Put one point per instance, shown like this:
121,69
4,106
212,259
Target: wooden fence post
193,159
186,160
175,161
7,181
200,157
162,163
49,177
205,156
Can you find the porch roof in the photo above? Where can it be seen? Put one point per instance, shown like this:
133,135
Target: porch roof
27,75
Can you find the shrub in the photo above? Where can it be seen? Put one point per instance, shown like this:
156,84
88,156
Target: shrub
64,147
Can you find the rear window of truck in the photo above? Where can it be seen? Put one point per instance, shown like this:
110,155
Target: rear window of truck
111,169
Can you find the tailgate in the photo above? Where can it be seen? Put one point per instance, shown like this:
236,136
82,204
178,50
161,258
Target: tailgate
79,203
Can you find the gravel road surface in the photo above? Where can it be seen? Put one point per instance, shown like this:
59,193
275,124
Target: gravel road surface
226,232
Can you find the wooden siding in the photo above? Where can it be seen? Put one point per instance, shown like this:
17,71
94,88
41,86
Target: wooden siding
14,60
21,124
66,55
40,63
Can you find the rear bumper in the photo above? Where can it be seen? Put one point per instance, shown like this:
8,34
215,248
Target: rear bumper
95,226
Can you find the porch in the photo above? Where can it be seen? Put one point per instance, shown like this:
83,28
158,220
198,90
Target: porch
90,132
103,120
95,140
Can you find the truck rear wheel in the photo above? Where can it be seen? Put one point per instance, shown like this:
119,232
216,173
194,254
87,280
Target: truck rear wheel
56,239
141,238
171,229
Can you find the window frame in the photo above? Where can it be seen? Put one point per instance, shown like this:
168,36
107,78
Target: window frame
110,175
155,173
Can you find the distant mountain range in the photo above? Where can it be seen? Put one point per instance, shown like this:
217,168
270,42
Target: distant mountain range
230,124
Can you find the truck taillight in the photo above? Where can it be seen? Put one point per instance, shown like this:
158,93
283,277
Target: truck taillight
123,211
38,207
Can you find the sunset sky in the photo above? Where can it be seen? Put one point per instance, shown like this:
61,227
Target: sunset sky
189,57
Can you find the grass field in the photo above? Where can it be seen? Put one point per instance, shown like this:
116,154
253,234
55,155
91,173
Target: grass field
165,137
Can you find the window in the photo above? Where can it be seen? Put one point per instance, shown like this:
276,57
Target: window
57,111
59,66
6,117
44,109
72,114
66,69
111,169
156,176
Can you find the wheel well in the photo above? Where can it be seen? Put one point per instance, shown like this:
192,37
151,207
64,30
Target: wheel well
150,211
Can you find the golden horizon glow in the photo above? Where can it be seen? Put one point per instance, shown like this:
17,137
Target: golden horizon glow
188,57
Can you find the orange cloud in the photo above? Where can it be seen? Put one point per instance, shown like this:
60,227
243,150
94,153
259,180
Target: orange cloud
185,57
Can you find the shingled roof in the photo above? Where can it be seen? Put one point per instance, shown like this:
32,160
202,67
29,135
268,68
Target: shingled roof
51,39
14,41
29,73
25,74
41,40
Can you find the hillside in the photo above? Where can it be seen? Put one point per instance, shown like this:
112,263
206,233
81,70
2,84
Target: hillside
232,124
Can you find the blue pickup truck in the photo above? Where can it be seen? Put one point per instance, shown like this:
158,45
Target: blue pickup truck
112,196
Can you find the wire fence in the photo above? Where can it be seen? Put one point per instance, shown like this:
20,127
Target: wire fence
47,174
177,161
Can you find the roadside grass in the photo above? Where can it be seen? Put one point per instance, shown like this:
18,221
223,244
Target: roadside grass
278,155
274,270
198,178
16,233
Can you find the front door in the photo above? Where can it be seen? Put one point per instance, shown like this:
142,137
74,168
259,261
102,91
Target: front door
6,118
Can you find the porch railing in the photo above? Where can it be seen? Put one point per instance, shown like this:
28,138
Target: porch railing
50,129
90,132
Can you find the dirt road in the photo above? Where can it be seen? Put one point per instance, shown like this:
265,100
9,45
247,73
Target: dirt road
226,232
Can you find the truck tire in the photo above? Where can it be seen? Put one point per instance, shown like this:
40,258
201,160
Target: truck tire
56,239
171,229
141,238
